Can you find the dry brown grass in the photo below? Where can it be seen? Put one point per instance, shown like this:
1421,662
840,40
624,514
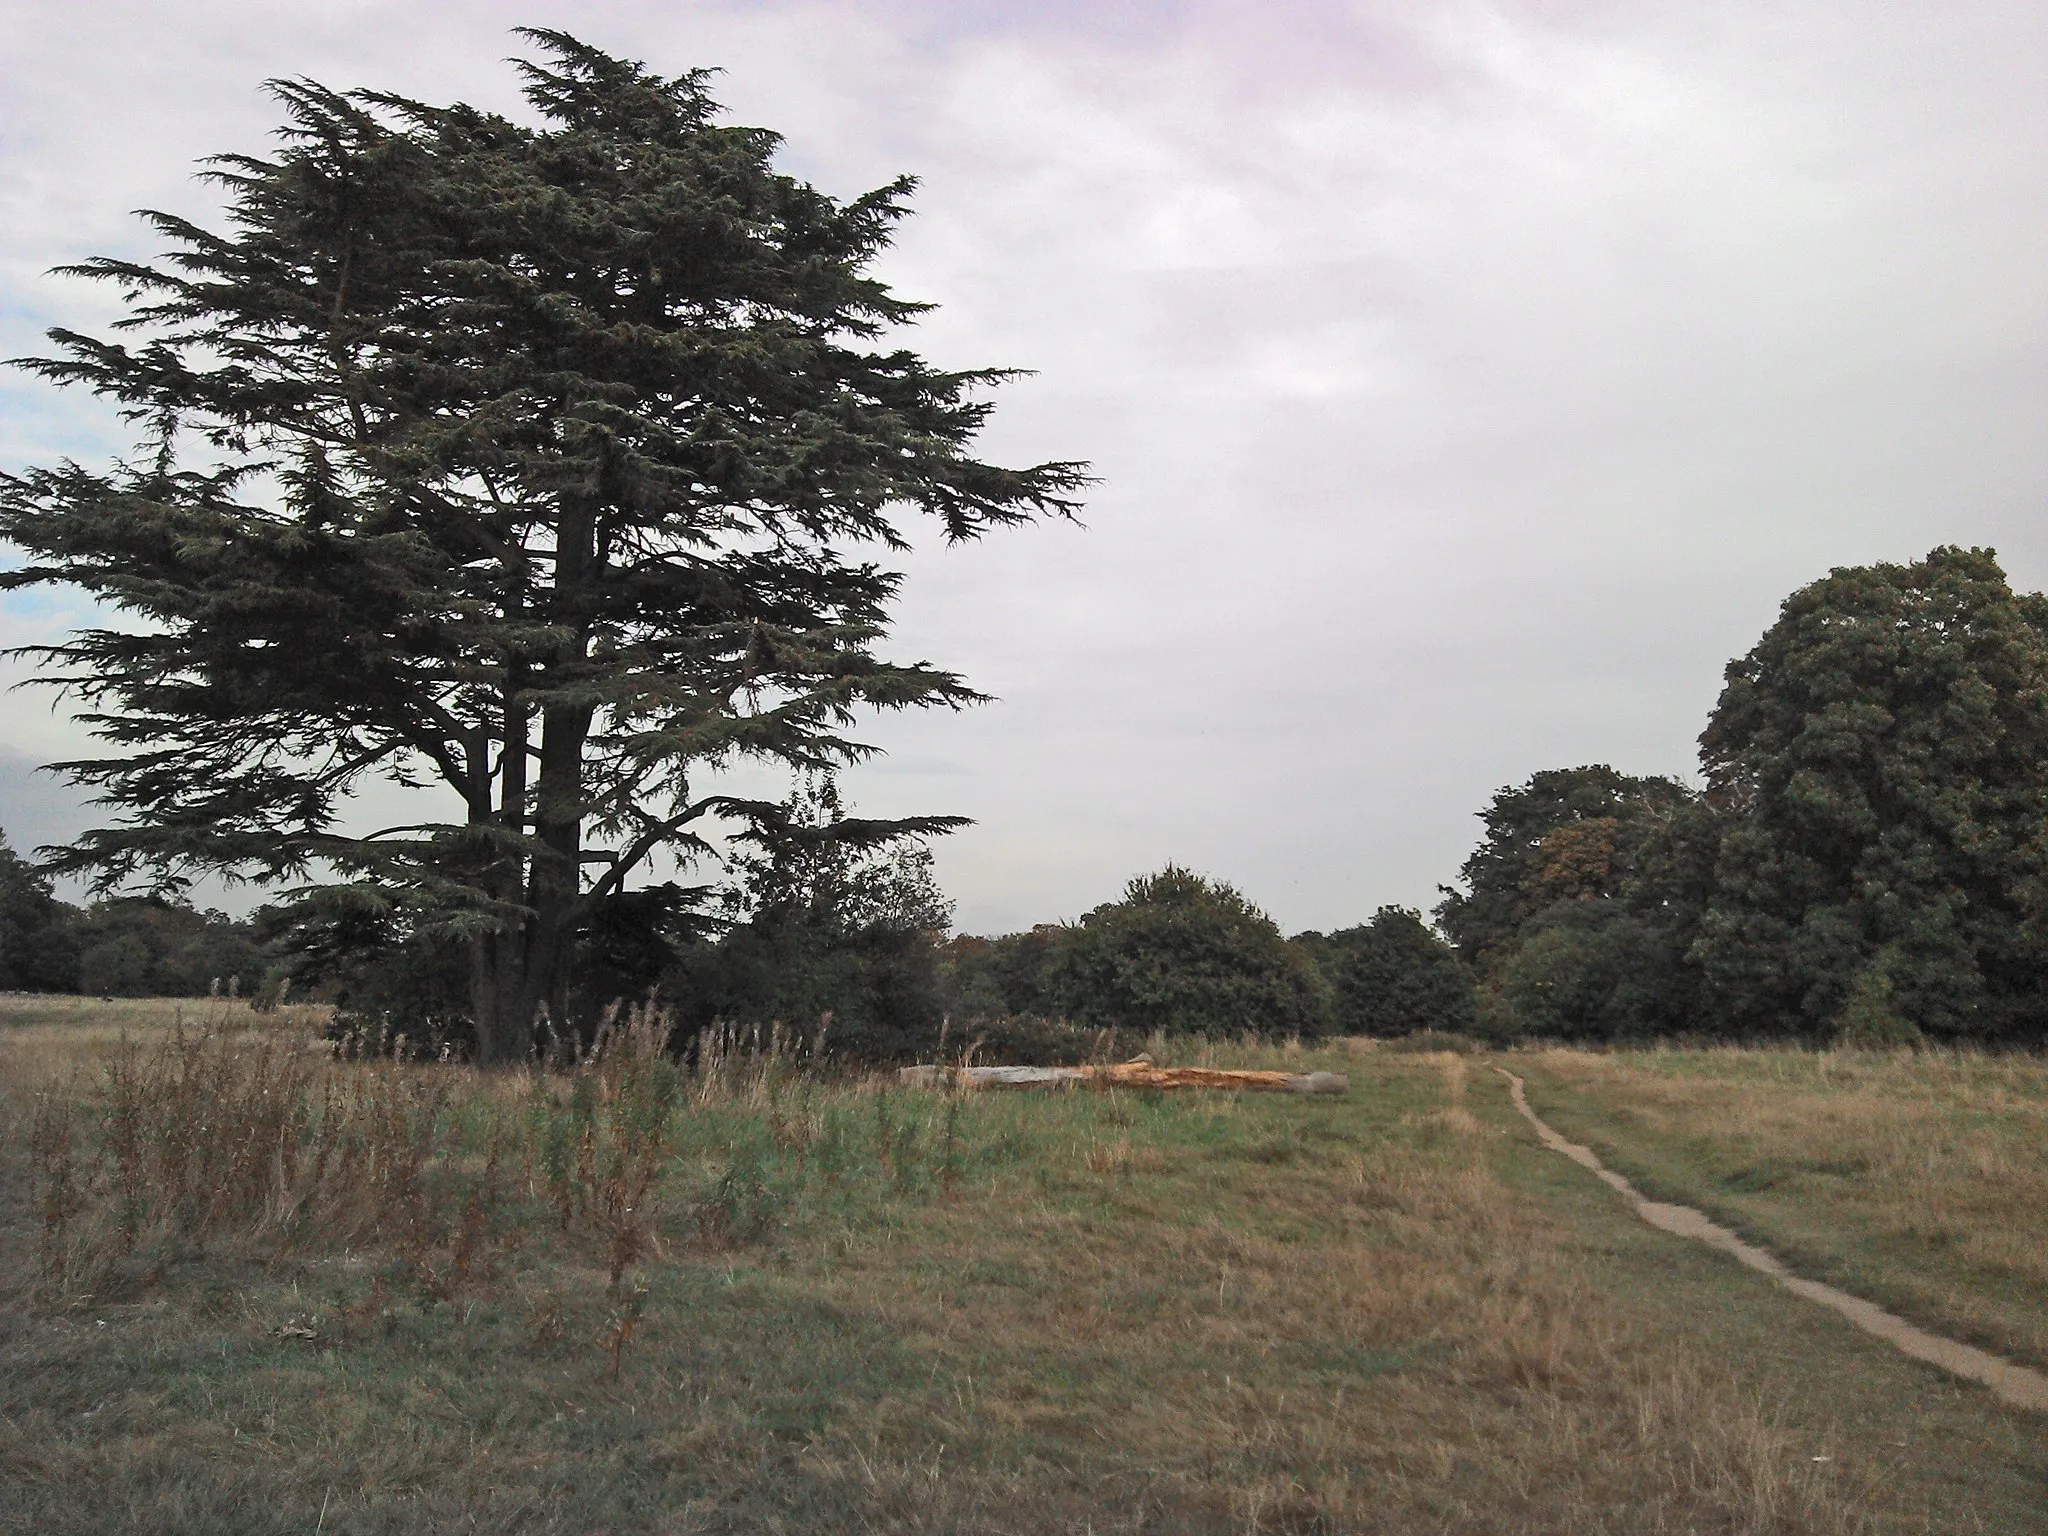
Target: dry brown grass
1918,1178
761,1299
238,1133
45,1036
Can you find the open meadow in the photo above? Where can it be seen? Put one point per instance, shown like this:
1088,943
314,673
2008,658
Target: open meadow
1917,1179
253,1289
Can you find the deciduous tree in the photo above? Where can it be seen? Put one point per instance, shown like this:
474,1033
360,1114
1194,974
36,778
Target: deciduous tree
826,919
1882,758
1187,954
1395,975
1567,834
38,938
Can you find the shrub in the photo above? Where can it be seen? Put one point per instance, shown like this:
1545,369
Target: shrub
1869,1019
832,917
1008,975
1030,1040
1186,954
1597,970
1395,975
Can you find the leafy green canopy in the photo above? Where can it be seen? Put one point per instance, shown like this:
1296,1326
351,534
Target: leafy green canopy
142,947
1581,902
1183,953
38,950
1568,834
825,929
1882,758
534,459
1393,975
1867,863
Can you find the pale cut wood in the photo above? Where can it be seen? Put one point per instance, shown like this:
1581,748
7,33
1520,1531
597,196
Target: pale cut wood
1130,1074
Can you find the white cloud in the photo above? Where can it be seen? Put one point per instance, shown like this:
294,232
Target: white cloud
1470,382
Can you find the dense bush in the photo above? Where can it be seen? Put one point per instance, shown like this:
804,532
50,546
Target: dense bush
871,992
1009,975
1190,955
830,918
1033,1040
1589,970
1393,975
350,947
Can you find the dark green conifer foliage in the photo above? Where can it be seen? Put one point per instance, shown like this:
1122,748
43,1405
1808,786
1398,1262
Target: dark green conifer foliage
532,458
1882,757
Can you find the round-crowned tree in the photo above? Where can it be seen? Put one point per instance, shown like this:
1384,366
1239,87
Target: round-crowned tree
1187,954
1396,975
1882,758
1568,834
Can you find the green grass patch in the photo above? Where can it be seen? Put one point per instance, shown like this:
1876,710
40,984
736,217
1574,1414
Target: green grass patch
851,1306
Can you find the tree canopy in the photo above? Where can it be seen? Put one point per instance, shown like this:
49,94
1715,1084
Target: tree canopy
1869,860
532,459
1186,954
38,947
1393,975
1882,757
825,925
134,947
1568,834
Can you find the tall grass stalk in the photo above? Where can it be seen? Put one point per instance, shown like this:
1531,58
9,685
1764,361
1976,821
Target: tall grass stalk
246,1141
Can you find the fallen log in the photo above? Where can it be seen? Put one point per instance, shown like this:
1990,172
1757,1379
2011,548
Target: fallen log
1129,1074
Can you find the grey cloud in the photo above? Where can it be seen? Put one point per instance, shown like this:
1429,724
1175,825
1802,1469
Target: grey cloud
36,808
1469,382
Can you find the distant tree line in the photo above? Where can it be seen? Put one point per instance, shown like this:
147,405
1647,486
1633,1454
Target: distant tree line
1186,954
835,928
133,947
826,931
1865,861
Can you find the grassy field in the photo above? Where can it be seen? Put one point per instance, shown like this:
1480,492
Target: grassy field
1919,1180
616,1299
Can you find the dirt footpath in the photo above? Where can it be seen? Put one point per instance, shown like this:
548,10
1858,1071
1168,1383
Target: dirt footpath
2017,1385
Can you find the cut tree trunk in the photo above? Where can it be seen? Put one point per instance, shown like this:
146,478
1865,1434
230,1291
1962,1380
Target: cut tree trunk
1129,1074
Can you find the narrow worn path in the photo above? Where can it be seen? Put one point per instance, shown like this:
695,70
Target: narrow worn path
2018,1385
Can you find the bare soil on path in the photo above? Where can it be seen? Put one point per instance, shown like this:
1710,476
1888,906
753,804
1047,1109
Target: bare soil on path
2017,1385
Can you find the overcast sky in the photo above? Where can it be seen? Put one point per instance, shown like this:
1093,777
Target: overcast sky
1468,382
